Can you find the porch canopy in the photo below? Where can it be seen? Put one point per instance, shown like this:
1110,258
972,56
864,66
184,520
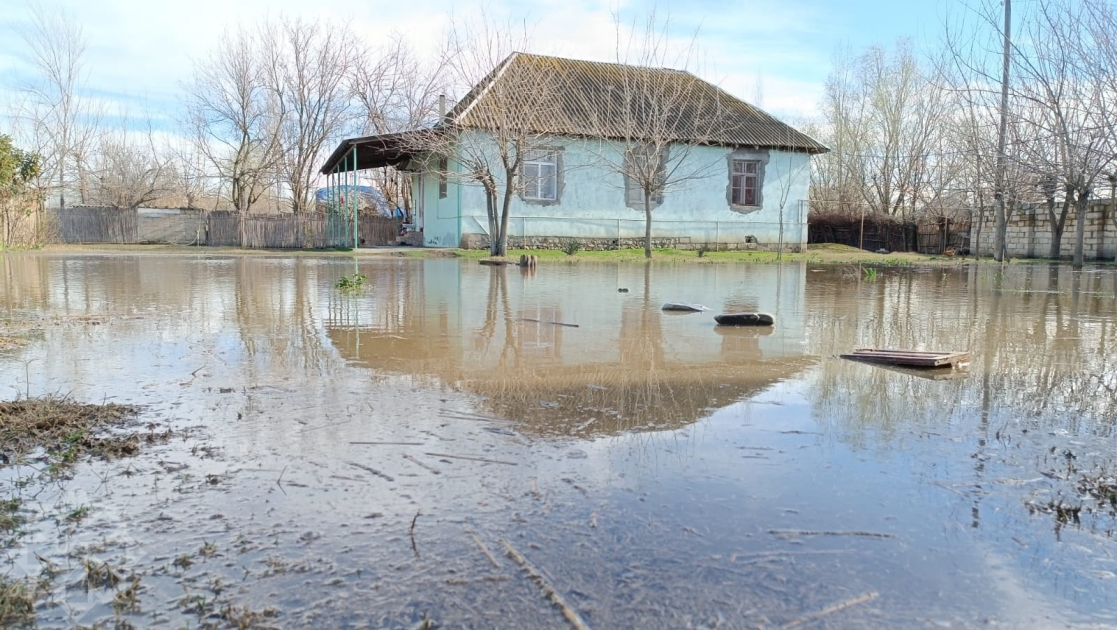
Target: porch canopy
389,149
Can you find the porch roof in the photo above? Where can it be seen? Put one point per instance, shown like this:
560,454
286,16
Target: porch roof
389,149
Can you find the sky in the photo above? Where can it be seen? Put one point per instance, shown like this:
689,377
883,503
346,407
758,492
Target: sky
777,52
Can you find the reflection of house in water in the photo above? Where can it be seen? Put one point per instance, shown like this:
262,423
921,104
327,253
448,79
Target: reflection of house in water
497,333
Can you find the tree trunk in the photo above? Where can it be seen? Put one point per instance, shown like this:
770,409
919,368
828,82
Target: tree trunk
490,206
504,213
647,224
1080,238
1057,225
999,227
980,224
779,243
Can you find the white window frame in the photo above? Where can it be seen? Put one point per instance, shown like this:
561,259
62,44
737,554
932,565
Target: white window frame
540,166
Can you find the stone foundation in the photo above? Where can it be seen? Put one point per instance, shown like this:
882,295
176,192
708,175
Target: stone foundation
413,239
481,241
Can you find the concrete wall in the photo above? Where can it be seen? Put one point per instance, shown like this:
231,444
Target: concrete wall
1029,232
592,207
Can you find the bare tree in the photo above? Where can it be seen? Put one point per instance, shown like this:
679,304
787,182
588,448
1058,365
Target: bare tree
1059,134
128,170
885,115
306,66
1101,64
840,174
191,180
508,117
652,119
235,118
1066,104
60,121
397,91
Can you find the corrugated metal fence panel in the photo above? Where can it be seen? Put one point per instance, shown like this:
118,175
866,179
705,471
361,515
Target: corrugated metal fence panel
182,227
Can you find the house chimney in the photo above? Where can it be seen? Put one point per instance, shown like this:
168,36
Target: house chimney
442,108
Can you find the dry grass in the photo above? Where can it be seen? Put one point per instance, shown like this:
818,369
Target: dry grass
11,343
62,426
17,602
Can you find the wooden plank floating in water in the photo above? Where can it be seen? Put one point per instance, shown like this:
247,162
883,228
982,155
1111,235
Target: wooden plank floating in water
539,321
911,358
745,319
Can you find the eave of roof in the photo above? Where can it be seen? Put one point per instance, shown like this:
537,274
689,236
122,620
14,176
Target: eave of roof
376,151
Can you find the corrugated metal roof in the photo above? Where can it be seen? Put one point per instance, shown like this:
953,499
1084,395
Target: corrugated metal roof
554,95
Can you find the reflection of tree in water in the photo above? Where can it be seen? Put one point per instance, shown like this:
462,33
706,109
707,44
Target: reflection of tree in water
1039,353
514,361
640,391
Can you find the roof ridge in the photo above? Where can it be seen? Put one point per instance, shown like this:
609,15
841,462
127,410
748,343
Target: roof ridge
606,63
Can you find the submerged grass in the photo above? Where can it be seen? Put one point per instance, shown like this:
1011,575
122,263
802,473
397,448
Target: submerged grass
63,427
11,343
819,254
17,602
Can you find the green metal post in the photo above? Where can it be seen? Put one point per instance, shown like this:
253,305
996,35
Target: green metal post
329,200
348,203
356,200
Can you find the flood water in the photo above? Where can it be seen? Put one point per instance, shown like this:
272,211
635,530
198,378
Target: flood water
340,459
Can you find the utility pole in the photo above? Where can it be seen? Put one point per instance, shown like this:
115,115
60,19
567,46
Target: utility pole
999,179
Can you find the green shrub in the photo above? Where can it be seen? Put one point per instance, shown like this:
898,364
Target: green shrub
351,283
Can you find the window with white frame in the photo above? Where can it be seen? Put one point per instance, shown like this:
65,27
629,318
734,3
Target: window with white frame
638,165
744,182
540,175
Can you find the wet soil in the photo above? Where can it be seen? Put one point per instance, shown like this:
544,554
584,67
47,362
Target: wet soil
402,454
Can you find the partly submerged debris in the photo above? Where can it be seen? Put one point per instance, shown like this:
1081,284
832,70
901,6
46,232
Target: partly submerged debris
683,307
745,319
911,358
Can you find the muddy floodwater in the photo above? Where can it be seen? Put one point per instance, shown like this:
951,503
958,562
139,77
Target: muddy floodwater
393,457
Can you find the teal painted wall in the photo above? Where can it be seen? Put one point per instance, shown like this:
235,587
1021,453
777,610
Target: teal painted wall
592,201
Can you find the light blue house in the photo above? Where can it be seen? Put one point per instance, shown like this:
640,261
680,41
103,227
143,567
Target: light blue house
724,173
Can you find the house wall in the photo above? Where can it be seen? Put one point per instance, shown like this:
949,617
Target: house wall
592,206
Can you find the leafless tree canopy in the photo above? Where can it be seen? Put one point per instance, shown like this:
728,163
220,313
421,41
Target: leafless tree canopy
126,172
235,118
885,120
60,123
651,119
394,90
306,66
918,137
499,123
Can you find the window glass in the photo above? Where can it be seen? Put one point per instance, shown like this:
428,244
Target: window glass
637,161
744,182
540,175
